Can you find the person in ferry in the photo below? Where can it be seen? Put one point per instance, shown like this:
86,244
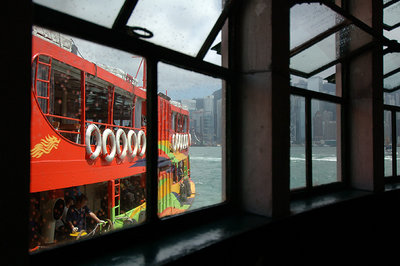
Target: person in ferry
77,213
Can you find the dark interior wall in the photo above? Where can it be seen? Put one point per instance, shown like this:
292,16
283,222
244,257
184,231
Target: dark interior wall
15,135
358,231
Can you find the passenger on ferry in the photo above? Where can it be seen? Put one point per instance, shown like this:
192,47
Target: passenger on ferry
77,213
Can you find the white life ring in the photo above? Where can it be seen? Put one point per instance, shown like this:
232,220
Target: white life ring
132,136
178,141
186,141
141,136
108,157
173,142
190,139
182,141
121,153
93,154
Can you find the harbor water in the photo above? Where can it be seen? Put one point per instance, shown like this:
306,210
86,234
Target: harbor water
206,170
206,173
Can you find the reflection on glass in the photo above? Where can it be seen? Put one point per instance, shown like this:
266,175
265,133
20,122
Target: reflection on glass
190,137
88,141
387,125
297,143
325,130
101,12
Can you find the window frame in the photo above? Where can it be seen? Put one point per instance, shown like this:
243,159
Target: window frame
339,100
118,38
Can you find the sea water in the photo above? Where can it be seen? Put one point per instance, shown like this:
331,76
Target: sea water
206,170
206,173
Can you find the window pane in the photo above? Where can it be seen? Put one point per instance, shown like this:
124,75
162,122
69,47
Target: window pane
297,142
93,146
391,14
214,54
392,82
392,98
101,12
180,25
324,82
190,140
391,61
329,49
325,131
309,20
398,141
388,142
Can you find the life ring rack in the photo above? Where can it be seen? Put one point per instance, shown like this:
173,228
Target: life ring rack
137,140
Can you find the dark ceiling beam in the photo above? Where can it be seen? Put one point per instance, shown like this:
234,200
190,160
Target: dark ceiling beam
216,29
124,14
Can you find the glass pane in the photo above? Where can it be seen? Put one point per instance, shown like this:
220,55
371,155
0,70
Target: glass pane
309,20
214,54
101,12
398,141
329,49
191,108
388,142
324,82
392,81
391,62
325,152
392,98
85,161
297,142
180,25
391,14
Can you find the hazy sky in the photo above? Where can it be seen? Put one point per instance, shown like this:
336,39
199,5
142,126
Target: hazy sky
182,25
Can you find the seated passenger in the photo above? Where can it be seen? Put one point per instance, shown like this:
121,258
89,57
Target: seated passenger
76,215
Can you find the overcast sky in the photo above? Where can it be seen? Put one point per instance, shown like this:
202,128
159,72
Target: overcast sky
183,25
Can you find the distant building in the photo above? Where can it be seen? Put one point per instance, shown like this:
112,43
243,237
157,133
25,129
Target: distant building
189,104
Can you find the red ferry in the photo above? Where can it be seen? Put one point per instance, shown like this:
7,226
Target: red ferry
88,136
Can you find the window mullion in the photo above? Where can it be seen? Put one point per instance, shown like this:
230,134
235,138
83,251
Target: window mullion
308,143
152,139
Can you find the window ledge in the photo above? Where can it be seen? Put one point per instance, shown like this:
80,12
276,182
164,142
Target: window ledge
178,245
318,201
200,238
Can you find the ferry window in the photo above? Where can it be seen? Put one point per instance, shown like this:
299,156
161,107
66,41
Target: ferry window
58,92
123,107
66,101
98,96
190,162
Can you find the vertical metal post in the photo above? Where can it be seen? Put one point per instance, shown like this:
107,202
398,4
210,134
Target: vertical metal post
308,143
151,138
83,106
394,143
